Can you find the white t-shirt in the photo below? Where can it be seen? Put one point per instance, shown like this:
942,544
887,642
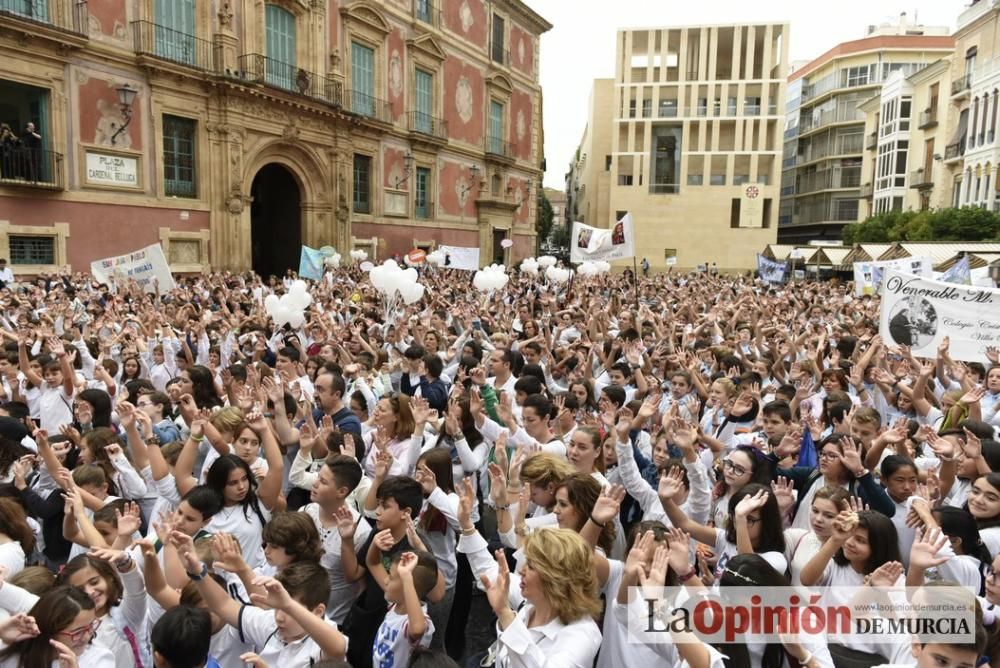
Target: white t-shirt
342,592
991,539
725,551
246,527
392,646
258,628
800,546
54,408
11,558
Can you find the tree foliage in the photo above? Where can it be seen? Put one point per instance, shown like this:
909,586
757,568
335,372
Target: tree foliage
965,224
545,218
560,237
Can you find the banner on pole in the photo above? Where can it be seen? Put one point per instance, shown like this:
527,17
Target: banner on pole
142,266
311,263
919,312
770,270
460,257
596,243
868,275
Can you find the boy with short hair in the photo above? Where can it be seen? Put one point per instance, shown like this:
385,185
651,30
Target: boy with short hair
294,633
406,625
181,639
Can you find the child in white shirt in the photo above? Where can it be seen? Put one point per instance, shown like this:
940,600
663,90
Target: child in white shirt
406,624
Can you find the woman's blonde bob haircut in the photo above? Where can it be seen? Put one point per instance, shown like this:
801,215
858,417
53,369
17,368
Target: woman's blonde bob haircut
565,565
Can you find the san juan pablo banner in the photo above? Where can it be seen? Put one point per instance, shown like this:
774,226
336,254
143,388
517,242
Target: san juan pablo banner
919,312
141,266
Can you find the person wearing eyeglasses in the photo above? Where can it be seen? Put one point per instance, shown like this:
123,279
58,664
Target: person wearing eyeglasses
57,631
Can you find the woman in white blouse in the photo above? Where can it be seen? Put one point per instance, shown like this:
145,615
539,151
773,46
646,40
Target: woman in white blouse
554,594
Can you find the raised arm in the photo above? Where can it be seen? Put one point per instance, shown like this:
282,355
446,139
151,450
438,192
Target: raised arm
671,484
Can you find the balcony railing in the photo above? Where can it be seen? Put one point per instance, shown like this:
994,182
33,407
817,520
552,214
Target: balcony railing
920,179
871,141
425,12
866,190
365,105
961,84
829,180
954,151
40,11
423,211
498,147
425,124
162,42
928,119
33,167
258,68
664,188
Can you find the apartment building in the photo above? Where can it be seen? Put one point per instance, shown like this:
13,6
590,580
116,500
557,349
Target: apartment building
824,134
233,132
687,139
933,135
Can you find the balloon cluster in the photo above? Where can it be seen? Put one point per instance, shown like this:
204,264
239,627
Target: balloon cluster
359,255
491,278
529,266
290,307
593,268
396,284
557,275
436,258
332,261
546,261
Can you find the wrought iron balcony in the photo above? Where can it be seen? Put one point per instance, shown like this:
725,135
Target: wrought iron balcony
497,147
871,141
500,55
961,85
867,190
32,167
155,40
954,151
425,124
928,119
48,13
257,68
367,106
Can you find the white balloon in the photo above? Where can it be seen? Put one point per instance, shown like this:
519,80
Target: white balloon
546,261
409,276
270,302
297,301
297,319
298,286
412,293
366,266
282,314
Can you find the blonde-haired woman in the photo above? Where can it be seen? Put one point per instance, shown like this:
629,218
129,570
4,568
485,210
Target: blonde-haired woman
555,593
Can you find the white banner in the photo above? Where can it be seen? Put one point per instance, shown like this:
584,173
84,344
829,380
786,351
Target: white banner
142,266
460,257
919,312
769,270
596,243
868,275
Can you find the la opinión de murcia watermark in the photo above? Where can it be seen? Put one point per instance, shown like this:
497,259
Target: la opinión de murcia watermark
781,614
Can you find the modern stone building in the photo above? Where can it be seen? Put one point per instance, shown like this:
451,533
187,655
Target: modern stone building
253,127
687,138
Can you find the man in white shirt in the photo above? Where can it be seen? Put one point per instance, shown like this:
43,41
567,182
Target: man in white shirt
6,275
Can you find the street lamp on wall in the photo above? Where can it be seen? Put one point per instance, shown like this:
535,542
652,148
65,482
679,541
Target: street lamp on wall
407,169
473,179
126,96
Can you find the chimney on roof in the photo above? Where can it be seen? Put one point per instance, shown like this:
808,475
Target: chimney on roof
902,19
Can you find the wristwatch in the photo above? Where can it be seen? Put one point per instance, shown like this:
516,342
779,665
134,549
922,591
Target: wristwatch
199,576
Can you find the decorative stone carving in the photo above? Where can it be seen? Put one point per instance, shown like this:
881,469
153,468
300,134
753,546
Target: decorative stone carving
463,99
520,50
335,59
463,189
236,201
395,73
225,16
290,133
94,26
520,126
465,15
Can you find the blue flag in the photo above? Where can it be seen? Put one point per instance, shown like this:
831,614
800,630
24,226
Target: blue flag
959,272
807,451
311,264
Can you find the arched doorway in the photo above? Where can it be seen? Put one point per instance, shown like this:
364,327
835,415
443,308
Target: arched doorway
275,221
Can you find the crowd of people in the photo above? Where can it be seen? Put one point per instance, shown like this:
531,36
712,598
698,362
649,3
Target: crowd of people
185,484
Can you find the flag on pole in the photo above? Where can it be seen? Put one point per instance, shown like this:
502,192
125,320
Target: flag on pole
959,272
596,243
311,263
770,270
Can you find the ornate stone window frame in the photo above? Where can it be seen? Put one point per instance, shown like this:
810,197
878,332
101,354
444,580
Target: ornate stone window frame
425,53
168,235
365,24
59,233
499,88
301,10
202,158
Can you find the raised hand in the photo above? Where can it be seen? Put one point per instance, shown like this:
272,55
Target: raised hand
227,554
925,549
748,504
276,595
17,628
498,588
346,524
426,478
608,504
886,575
129,521
784,493
671,483
851,458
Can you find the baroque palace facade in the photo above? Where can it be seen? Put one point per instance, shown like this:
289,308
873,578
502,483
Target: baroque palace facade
234,132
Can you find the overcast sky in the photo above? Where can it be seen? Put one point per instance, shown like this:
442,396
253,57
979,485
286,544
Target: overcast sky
581,45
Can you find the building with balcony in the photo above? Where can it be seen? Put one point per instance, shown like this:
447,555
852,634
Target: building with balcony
686,139
824,132
256,127
952,126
